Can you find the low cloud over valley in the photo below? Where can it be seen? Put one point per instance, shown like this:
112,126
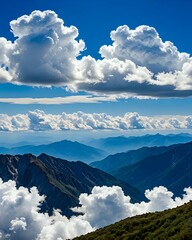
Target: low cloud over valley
21,219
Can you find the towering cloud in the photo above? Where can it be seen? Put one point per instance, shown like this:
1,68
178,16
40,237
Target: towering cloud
44,52
144,47
21,219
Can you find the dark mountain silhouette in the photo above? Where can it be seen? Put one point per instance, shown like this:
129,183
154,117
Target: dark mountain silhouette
60,180
124,144
170,224
73,151
172,169
113,162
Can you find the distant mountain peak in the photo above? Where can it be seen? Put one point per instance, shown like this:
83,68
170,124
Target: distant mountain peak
73,151
124,144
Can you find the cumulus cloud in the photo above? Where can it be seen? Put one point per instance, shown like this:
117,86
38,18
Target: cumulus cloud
137,63
144,47
21,219
38,120
44,52
107,205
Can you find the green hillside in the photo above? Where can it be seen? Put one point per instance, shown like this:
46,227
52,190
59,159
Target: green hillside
174,224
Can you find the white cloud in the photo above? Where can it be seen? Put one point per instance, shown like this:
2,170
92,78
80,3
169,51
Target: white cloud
59,100
144,47
5,46
106,205
21,219
137,63
44,52
19,122
113,76
4,75
40,121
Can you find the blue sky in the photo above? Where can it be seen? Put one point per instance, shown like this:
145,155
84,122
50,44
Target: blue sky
154,87
95,19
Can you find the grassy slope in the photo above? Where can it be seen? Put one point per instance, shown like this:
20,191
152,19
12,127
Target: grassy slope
174,224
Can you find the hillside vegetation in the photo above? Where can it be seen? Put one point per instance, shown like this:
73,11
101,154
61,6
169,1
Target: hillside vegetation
174,224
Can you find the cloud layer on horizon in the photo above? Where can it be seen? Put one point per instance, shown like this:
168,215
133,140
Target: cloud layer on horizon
40,121
21,219
137,63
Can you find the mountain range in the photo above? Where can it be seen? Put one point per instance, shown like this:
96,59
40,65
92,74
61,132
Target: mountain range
172,169
123,144
60,180
72,151
97,149
113,162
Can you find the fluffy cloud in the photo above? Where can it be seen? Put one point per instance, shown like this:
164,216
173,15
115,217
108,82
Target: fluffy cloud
21,219
137,63
44,52
107,205
144,47
5,46
113,76
40,121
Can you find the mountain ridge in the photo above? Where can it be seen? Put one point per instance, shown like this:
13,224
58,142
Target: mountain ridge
172,169
124,144
71,150
60,180
116,161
